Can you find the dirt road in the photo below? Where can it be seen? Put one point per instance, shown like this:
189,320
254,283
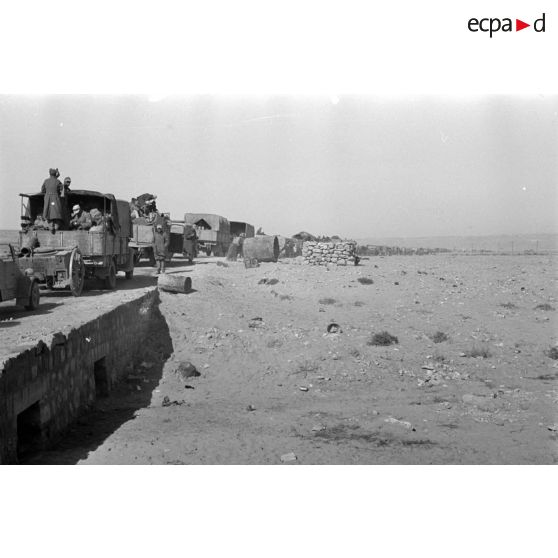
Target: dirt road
273,382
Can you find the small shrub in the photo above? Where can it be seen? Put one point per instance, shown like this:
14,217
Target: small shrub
285,297
552,353
359,303
383,338
476,351
327,301
439,357
439,337
365,281
354,352
508,305
545,306
274,343
307,366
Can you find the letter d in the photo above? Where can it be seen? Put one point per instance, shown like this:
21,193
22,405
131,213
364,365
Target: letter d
535,25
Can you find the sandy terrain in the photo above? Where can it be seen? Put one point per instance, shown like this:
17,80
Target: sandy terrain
281,385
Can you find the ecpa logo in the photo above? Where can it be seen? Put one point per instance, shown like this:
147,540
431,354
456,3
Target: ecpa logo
494,24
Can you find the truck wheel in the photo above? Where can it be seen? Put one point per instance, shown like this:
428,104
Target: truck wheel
34,297
76,272
208,251
130,274
110,279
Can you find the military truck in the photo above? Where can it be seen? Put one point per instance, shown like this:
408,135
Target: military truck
183,240
66,258
143,229
15,283
213,231
239,227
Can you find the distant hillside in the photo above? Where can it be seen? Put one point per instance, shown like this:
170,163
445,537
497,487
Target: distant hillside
496,243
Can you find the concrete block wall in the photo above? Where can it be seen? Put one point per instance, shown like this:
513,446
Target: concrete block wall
329,253
62,380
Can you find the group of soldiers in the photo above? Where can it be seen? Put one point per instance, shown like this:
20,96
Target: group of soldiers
144,206
57,216
56,213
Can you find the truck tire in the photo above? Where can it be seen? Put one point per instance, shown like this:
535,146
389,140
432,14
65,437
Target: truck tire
110,279
34,297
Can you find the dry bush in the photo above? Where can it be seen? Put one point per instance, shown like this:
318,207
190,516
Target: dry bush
354,352
552,353
382,339
307,366
327,301
478,351
545,306
365,281
439,337
508,305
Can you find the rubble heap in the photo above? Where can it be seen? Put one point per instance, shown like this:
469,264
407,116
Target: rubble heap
329,253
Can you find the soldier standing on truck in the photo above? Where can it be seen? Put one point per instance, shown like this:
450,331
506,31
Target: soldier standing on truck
52,206
64,201
160,247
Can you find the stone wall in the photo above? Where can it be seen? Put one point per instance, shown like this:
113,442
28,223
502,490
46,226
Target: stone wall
49,386
329,253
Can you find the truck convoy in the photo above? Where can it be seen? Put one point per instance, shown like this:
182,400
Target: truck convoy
66,258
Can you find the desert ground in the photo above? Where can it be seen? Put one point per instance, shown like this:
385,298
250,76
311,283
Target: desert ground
243,369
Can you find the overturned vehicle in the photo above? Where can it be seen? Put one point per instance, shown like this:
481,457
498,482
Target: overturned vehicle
66,258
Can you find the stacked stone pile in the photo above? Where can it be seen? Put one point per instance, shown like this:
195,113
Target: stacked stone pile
329,253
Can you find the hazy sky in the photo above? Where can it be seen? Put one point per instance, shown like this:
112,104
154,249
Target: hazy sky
353,166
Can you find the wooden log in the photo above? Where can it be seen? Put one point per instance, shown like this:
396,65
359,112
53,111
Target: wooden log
174,283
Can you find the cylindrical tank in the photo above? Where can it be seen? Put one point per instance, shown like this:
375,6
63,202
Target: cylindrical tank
262,248
174,283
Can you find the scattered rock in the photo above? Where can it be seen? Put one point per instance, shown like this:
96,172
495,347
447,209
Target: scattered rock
303,388
187,370
403,423
288,457
250,408
553,427
334,328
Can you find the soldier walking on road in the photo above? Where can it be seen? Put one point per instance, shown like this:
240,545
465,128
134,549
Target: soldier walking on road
160,247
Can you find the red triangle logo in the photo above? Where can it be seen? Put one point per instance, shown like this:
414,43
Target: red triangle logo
519,25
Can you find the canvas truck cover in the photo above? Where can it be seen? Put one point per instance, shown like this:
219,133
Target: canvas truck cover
87,199
240,227
215,222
